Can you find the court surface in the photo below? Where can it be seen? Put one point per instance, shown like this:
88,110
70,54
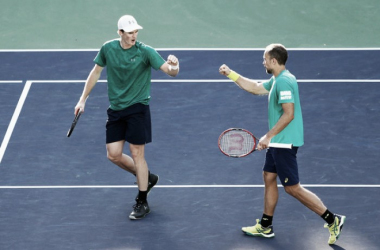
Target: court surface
63,193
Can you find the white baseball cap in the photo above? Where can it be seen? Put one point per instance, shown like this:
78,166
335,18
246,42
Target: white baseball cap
128,24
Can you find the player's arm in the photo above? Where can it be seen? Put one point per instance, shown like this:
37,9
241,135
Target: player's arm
251,86
92,79
285,119
247,84
171,66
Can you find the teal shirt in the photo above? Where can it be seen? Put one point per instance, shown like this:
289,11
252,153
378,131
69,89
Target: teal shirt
284,89
128,72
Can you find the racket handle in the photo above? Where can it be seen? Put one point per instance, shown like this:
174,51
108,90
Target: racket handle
277,145
280,145
79,111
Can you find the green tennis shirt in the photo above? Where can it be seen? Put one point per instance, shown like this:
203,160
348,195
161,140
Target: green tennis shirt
284,89
128,72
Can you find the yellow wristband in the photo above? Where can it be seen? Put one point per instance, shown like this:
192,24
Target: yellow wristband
233,76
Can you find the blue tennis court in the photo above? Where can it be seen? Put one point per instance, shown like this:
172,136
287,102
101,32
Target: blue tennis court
63,193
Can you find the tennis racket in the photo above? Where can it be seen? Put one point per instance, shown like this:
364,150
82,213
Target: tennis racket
76,118
238,142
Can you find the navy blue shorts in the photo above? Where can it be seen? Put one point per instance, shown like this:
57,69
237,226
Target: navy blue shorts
132,124
283,162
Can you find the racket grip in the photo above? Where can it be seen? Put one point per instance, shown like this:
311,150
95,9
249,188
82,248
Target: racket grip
280,145
277,145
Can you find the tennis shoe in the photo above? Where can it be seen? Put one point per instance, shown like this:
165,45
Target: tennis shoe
259,230
335,228
140,210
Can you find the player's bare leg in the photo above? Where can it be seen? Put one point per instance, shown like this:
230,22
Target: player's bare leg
141,208
141,166
270,193
307,198
116,156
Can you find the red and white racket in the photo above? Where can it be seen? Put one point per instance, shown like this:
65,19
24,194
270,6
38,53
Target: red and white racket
238,142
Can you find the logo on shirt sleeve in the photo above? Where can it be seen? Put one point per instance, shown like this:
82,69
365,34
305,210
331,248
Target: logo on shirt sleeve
285,95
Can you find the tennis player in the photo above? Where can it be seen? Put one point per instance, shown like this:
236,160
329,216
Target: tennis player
285,126
129,64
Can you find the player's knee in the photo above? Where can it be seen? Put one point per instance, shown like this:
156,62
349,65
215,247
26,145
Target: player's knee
114,157
269,177
137,153
293,190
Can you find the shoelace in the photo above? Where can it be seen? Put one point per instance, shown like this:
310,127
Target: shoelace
334,229
137,206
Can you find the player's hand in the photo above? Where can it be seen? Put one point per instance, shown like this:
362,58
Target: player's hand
172,60
79,107
224,70
263,143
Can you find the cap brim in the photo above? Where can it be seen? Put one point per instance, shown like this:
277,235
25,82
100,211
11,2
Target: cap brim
130,29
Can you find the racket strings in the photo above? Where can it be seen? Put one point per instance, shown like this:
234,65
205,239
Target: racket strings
236,142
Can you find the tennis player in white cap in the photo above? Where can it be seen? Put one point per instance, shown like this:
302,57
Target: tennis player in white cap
129,62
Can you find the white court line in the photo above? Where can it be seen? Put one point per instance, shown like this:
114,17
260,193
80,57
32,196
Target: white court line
190,186
13,121
61,81
193,49
223,80
338,80
261,80
262,49
10,81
